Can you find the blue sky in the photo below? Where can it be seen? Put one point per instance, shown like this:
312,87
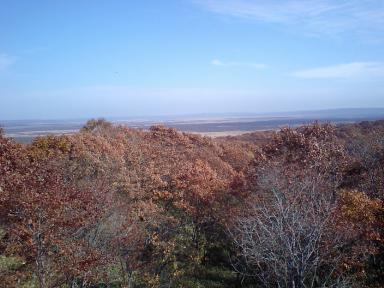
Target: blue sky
81,59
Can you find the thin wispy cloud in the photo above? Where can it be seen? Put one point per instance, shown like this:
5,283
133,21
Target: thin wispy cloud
355,70
5,62
217,62
34,50
312,16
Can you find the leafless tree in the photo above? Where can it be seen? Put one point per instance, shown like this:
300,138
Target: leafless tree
286,237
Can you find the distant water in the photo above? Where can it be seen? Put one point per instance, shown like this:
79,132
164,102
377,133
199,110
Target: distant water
26,130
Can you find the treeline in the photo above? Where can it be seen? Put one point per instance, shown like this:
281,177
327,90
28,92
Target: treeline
117,207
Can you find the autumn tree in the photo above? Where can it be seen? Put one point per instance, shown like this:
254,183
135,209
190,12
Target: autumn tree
296,230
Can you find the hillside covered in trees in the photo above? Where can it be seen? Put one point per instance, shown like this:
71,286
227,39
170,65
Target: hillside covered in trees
112,206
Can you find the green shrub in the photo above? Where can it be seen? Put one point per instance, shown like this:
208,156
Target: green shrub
2,233
10,263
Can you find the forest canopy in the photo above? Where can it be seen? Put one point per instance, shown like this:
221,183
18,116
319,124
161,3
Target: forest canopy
112,206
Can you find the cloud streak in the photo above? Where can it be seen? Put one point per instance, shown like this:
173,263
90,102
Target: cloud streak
354,70
5,62
217,62
312,16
